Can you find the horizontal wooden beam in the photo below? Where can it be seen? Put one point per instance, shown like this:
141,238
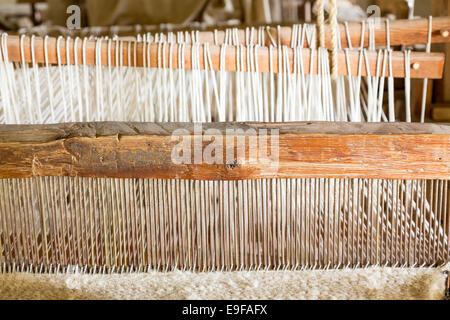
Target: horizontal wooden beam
402,32
294,150
139,54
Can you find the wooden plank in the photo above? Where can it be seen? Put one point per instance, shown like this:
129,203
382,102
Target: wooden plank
132,54
145,150
442,88
441,112
402,32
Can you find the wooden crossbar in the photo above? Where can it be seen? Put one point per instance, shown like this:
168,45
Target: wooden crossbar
291,150
402,32
429,66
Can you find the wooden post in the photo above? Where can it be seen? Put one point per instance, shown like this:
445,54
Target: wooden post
441,111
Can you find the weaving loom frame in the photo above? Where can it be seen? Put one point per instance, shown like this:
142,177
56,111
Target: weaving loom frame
35,160
30,151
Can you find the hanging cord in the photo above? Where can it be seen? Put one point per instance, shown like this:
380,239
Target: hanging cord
333,27
391,94
408,84
334,32
334,39
321,22
425,81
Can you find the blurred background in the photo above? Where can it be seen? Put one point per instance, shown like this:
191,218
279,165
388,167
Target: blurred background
130,17
16,14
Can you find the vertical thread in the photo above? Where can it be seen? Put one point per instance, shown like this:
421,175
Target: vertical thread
144,224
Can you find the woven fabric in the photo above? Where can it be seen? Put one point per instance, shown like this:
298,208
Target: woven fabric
371,283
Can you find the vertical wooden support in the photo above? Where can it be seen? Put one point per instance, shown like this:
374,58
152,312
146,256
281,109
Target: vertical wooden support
442,87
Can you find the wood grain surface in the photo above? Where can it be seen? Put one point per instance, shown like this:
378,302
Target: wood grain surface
145,150
139,54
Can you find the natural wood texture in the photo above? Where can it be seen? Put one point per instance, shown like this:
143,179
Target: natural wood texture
144,150
132,54
402,32
442,87
441,112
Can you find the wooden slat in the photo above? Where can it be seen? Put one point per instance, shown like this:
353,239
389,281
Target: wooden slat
144,150
402,32
425,65
442,88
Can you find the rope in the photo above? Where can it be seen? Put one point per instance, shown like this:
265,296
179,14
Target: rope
334,32
321,22
334,39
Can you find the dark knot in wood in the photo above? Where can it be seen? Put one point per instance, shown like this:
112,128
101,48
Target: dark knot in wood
233,164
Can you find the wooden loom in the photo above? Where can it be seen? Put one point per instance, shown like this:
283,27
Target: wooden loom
418,153
338,158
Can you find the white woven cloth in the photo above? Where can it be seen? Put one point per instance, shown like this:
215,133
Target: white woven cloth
371,283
